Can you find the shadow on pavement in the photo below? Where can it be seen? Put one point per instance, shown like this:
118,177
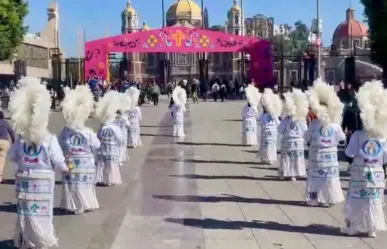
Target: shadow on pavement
7,244
232,120
213,144
156,126
267,225
12,182
155,135
214,161
223,177
228,198
265,168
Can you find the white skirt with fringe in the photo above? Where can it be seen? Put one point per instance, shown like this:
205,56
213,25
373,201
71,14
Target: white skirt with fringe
292,164
267,150
108,172
78,191
34,224
365,215
135,137
323,188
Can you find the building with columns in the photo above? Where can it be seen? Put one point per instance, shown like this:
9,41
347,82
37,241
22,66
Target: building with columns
34,56
184,13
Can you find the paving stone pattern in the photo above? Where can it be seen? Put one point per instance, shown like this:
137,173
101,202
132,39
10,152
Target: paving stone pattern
207,192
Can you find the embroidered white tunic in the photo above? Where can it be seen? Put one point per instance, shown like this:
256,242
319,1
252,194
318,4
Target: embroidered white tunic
365,199
323,184
78,185
178,120
123,122
108,171
35,182
268,138
249,133
292,161
135,130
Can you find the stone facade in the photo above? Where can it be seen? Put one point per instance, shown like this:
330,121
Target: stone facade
36,50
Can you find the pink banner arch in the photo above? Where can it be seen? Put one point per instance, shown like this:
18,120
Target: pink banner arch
181,40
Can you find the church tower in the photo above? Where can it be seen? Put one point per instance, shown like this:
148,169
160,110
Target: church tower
129,19
234,19
206,19
131,64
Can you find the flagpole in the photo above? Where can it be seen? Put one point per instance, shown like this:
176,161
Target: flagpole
163,11
79,38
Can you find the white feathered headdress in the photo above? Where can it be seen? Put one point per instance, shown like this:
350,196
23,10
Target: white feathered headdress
253,96
134,95
77,106
324,103
296,105
271,102
108,106
30,110
372,99
179,96
66,89
125,102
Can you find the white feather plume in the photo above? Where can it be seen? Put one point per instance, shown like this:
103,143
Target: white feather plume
134,95
66,89
296,105
372,99
77,106
30,110
108,106
270,102
179,96
253,96
125,102
325,103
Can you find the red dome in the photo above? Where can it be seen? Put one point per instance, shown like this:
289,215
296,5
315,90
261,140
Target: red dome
350,27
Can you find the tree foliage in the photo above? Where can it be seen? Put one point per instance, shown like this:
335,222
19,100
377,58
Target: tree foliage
295,43
12,13
375,12
217,28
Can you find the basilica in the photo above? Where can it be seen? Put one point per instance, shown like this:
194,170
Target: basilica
183,13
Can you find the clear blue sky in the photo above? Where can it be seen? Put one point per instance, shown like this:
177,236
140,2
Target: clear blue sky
101,16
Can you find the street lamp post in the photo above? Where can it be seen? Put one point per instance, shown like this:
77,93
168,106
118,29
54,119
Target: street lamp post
281,86
318,37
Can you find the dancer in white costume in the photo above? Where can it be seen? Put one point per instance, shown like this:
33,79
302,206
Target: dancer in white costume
79,144
293,128
250,115
323,136
179,99
110,135
271,107
135,118
368,148
36,153
123,122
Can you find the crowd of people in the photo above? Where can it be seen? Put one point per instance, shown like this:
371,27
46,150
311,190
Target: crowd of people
366,150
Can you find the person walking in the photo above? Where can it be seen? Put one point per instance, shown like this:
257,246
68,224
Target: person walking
6,134
215,91
194,91
155,93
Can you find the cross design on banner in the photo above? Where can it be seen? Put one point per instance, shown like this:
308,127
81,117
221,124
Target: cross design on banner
178,37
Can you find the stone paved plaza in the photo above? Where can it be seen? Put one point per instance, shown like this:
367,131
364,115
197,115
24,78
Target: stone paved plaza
207,192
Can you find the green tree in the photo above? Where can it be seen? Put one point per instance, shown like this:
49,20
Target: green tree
375,12
12,13
299,37
294,44
217,28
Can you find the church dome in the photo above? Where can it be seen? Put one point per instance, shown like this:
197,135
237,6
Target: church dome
184,10
145,27
235,9
130,11
350,27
